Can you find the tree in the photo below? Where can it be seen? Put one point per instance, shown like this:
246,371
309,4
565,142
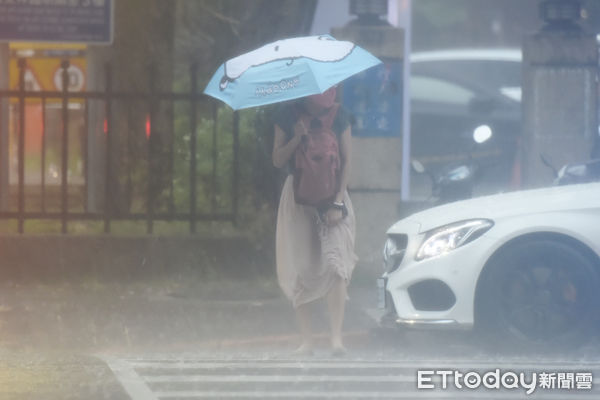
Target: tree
208,32
141,60
155,42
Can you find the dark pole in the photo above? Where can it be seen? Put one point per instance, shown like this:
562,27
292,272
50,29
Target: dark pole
236,165
151,186
86,155
193,117
43,168
215,156
22,65
108,128
65,144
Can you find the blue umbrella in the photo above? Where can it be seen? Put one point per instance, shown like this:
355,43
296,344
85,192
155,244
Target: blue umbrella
287,69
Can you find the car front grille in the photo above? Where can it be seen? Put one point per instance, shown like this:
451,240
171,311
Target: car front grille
401,242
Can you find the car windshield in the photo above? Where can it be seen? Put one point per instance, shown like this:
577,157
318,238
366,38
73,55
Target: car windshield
488,76
426,88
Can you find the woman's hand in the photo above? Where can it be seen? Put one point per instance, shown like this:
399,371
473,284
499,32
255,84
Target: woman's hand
283,149
333,216
300,130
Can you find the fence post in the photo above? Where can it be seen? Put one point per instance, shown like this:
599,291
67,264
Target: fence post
236,165
65,145
86,155
151,186
43,162
215,158
193,121
108,133
4,127
22,65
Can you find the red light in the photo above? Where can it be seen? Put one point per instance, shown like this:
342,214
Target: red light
105,126
148,127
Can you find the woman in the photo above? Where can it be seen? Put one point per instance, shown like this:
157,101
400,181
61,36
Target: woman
315,247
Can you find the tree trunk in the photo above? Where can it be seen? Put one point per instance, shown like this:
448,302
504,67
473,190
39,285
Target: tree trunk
141,60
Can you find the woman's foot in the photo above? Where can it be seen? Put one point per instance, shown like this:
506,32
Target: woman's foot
305,349
338,350
337,347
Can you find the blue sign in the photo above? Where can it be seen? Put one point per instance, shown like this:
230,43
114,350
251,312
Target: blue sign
80,21
374,97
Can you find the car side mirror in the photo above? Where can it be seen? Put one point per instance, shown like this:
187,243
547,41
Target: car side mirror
417,166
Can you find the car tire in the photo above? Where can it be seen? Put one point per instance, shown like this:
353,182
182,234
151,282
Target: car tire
538,294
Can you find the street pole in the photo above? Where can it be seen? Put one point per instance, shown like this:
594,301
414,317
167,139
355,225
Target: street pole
4,111
406,12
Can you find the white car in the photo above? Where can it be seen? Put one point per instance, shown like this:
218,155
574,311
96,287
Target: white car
524,265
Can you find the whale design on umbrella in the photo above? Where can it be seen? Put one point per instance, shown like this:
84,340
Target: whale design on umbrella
317,48
287,69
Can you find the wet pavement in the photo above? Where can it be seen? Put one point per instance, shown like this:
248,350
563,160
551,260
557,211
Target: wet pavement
87,339
162,315
54,336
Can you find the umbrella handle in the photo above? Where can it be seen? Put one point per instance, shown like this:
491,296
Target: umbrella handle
224,81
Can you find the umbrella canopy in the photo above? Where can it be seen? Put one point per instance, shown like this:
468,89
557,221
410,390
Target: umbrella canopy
287,69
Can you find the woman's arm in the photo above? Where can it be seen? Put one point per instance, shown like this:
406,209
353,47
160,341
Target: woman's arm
282,151
345,158
334,215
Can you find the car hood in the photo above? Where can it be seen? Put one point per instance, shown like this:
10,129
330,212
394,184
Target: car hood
552,199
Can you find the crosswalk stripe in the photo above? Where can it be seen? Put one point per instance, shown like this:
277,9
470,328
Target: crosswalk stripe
366,395
276,378
278,395
130,380
362,365
193,378
319,360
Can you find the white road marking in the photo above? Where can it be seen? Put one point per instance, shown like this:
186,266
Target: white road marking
281,395
133,384
277,378
137,378
371,395
436,364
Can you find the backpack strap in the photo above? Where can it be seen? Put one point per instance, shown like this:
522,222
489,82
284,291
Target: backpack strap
288,115
342,120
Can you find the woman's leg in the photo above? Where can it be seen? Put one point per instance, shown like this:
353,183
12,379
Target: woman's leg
304,317
336,302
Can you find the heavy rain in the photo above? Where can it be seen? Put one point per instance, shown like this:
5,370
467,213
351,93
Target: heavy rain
299,199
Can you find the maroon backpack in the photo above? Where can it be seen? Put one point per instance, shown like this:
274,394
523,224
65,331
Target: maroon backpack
317,163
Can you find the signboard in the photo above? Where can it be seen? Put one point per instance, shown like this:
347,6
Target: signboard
81,21
374,97
43,66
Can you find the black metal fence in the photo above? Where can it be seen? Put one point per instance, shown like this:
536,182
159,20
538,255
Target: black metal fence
174,198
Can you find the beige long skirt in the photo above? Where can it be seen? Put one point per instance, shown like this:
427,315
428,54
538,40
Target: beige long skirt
311,256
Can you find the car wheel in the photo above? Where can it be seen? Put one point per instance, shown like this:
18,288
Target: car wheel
538,294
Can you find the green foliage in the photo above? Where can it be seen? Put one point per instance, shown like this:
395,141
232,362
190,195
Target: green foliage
155,43
215,165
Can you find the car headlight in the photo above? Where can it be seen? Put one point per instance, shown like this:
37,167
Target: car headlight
447,238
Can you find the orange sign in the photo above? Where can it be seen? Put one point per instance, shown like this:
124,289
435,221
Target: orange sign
43,66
